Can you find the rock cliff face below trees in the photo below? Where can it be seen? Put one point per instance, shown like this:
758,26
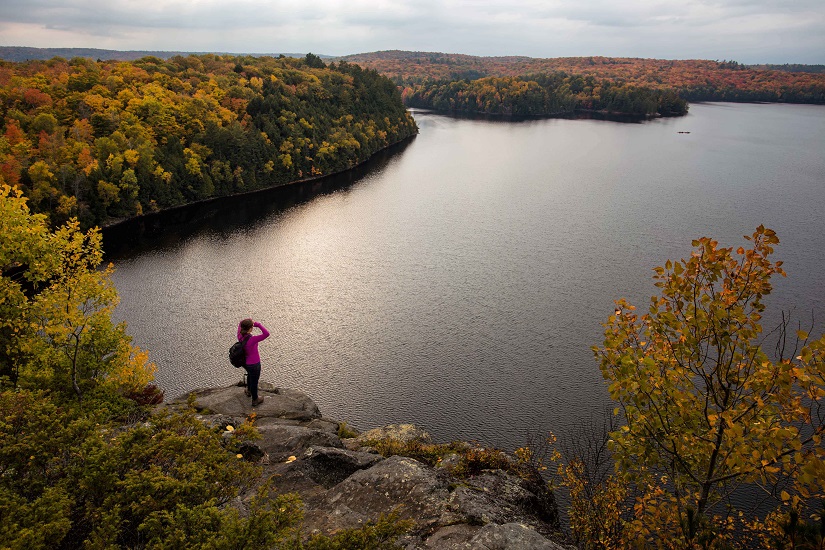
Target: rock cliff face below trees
344,482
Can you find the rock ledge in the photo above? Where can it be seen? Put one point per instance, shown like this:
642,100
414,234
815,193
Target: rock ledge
344,483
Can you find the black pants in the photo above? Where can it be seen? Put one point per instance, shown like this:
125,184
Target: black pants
253,375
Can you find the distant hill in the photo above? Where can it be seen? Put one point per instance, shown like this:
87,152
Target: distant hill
691,79
790,68
21,53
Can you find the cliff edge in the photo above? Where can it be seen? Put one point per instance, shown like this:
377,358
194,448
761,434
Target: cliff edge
466,498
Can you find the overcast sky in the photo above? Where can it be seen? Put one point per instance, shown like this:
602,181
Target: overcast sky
748,31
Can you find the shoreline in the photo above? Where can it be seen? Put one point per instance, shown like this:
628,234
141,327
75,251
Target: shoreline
114,224
577,114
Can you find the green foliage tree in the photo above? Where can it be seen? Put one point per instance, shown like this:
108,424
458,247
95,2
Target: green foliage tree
705,408
314,61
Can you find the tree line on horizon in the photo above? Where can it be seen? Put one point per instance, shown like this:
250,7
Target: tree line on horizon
26,53
635,81
635,86
107,140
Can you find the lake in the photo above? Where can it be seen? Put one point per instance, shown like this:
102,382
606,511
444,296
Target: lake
458,281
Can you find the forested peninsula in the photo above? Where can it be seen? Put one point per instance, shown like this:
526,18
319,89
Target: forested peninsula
106,140
533,86
543,95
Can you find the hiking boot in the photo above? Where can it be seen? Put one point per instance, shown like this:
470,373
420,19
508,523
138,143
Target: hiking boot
256,402
247,393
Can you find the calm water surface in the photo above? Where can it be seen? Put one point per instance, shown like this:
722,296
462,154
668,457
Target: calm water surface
459,282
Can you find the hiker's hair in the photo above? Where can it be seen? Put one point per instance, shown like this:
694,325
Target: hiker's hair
246,326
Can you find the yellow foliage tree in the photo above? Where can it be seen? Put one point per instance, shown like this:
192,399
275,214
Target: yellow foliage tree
56,329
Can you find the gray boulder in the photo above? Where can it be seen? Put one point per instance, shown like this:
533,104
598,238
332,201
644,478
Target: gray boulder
451,537
324,425
510,536
329,466
402,433
495,496
419,493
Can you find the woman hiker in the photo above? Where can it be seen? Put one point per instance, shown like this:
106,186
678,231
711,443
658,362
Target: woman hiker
253,359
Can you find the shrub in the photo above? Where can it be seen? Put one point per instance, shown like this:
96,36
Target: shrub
345,432
69,475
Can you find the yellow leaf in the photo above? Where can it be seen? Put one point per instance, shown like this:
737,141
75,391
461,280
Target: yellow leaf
784,496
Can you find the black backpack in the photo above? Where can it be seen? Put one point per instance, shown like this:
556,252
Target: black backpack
237,353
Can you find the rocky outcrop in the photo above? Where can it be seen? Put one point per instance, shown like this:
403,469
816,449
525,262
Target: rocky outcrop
279,403
344,483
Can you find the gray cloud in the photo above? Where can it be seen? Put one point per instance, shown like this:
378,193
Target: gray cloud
746,30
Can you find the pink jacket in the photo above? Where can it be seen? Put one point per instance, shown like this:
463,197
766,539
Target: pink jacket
252,355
